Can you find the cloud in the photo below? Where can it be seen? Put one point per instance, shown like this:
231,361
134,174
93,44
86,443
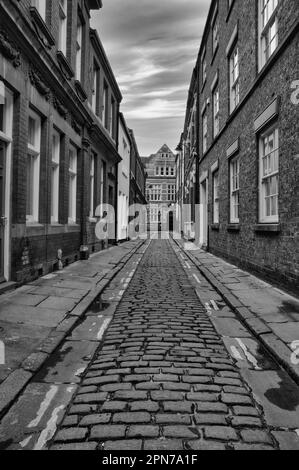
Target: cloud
152,46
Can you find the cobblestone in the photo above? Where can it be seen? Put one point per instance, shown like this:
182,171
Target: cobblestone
162,379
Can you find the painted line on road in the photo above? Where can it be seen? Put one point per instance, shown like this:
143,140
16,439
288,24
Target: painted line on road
214,304
44,406
49,430
248,355
196,278
236,354
103,328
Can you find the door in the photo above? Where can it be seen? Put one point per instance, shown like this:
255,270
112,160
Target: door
2,207
204,214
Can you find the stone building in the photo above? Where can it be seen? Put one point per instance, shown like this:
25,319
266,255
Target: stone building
161,188
59,104
247,145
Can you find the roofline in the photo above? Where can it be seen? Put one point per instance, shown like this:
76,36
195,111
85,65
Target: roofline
97,44
123,121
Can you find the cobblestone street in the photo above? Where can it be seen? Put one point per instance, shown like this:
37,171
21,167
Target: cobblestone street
162,378
154,365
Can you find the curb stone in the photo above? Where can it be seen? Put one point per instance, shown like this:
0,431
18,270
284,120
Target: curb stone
271,342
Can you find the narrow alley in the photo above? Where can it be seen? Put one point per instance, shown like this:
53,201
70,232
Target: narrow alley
146,369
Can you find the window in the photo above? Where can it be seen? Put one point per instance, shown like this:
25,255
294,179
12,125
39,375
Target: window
62,26
167,171
102,183
95,89
40,5
234,190
216,197
79,49
204,132
269,176
156,192
215,35
92,185
112,121
234,79
204,68
216,112
157,171
171,192
55,166
105,105
172,172
268,29
73,164
33,167
162,171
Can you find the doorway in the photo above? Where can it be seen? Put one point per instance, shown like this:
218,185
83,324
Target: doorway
203,240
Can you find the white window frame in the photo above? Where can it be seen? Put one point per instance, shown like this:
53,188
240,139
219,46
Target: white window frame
268,30
55,175
204,132
104,105
79,47
92,185
268,171
33,152
73,171
62,27
216,200
41,6
234,75
96,89
215,34
216,111
234,176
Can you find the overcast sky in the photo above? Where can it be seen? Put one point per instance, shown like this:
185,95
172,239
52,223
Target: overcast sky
152,46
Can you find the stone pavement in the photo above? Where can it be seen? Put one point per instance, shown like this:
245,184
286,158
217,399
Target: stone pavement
162,378
35,318
271,314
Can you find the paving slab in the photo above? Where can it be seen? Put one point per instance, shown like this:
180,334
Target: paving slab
68,363
33,419
277,394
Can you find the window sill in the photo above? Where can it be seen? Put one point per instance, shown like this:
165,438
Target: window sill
215,227
233,227
34,224
64,63
267,228
39,22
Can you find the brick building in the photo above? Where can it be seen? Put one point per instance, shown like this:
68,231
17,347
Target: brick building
247,143
160,186
59,105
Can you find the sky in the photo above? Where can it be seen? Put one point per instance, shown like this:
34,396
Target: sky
152,46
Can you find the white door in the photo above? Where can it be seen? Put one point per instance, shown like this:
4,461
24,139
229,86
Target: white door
204,213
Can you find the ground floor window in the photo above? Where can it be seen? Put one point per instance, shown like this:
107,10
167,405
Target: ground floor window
234,190
269,175
33,167
216,197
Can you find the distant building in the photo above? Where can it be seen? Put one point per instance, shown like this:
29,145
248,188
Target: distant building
138,175
161,188
243,93
124,169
